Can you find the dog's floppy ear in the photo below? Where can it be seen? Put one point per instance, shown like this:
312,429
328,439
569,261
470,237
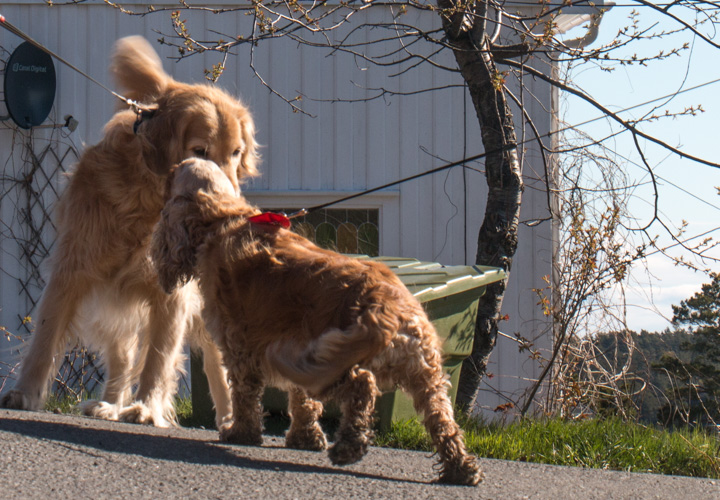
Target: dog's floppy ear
137,69
250,156
172,251
218,206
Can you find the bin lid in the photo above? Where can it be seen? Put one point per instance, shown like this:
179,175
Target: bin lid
431,280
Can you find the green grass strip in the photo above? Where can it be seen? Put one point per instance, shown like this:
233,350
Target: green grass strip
593,443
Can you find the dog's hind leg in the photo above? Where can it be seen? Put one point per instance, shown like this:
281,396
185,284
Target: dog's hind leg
56,310
356,395
305,432
422,376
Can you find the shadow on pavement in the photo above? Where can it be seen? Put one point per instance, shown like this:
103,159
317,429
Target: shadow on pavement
164,447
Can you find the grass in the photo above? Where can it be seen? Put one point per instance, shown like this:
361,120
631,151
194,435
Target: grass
606,443
62,405
593,443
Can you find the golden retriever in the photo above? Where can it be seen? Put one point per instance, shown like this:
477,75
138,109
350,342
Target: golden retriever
102,286
315,322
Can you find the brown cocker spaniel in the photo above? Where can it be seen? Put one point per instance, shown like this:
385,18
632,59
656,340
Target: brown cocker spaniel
102,286
317,323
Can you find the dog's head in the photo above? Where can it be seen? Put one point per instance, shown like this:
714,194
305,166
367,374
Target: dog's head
198,120
200,194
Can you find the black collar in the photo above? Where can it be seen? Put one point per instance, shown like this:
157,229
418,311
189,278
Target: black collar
143,114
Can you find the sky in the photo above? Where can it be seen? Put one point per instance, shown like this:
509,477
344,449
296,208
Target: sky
687,189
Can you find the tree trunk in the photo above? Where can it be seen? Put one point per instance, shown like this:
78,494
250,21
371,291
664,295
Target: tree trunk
497,239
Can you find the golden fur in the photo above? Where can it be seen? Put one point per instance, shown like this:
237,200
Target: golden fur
320,324
102,286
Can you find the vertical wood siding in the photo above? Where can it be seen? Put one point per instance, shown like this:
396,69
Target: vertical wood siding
343,147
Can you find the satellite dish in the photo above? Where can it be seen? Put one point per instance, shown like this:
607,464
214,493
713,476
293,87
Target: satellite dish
29,85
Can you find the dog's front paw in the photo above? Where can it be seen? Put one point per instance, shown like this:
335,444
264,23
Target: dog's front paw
236,433
17,400
466,473
138,413
223,420
310,438
99,409
348,451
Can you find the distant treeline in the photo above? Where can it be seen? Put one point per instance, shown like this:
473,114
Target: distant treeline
649,351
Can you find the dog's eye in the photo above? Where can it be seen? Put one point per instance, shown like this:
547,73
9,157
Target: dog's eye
200,152
237,152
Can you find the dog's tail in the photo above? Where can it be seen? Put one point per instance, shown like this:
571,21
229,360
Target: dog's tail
317,365
137,69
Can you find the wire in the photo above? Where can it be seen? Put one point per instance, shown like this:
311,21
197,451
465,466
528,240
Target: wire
661,98
693,195
13,29
16,31
682,242
304,211
549,4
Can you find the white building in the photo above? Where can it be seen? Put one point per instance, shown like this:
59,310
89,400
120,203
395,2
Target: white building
344,147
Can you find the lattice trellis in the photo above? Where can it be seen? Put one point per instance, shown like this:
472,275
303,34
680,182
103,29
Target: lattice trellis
32,183
40,193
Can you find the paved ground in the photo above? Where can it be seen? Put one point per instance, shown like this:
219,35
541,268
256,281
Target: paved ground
43,455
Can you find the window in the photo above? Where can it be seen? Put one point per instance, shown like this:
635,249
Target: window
353,231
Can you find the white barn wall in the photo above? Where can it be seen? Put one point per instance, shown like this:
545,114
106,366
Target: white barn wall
343,148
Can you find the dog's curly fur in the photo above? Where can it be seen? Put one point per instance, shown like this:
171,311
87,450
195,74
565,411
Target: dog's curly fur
102,286
320,324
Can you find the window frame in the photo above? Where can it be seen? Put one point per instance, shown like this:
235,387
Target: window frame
386,202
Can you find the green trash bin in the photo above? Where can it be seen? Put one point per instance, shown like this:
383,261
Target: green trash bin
450,296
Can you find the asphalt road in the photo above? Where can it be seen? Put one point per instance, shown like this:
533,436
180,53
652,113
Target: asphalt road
48,456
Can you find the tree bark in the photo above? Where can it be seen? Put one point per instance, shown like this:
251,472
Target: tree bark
497,238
